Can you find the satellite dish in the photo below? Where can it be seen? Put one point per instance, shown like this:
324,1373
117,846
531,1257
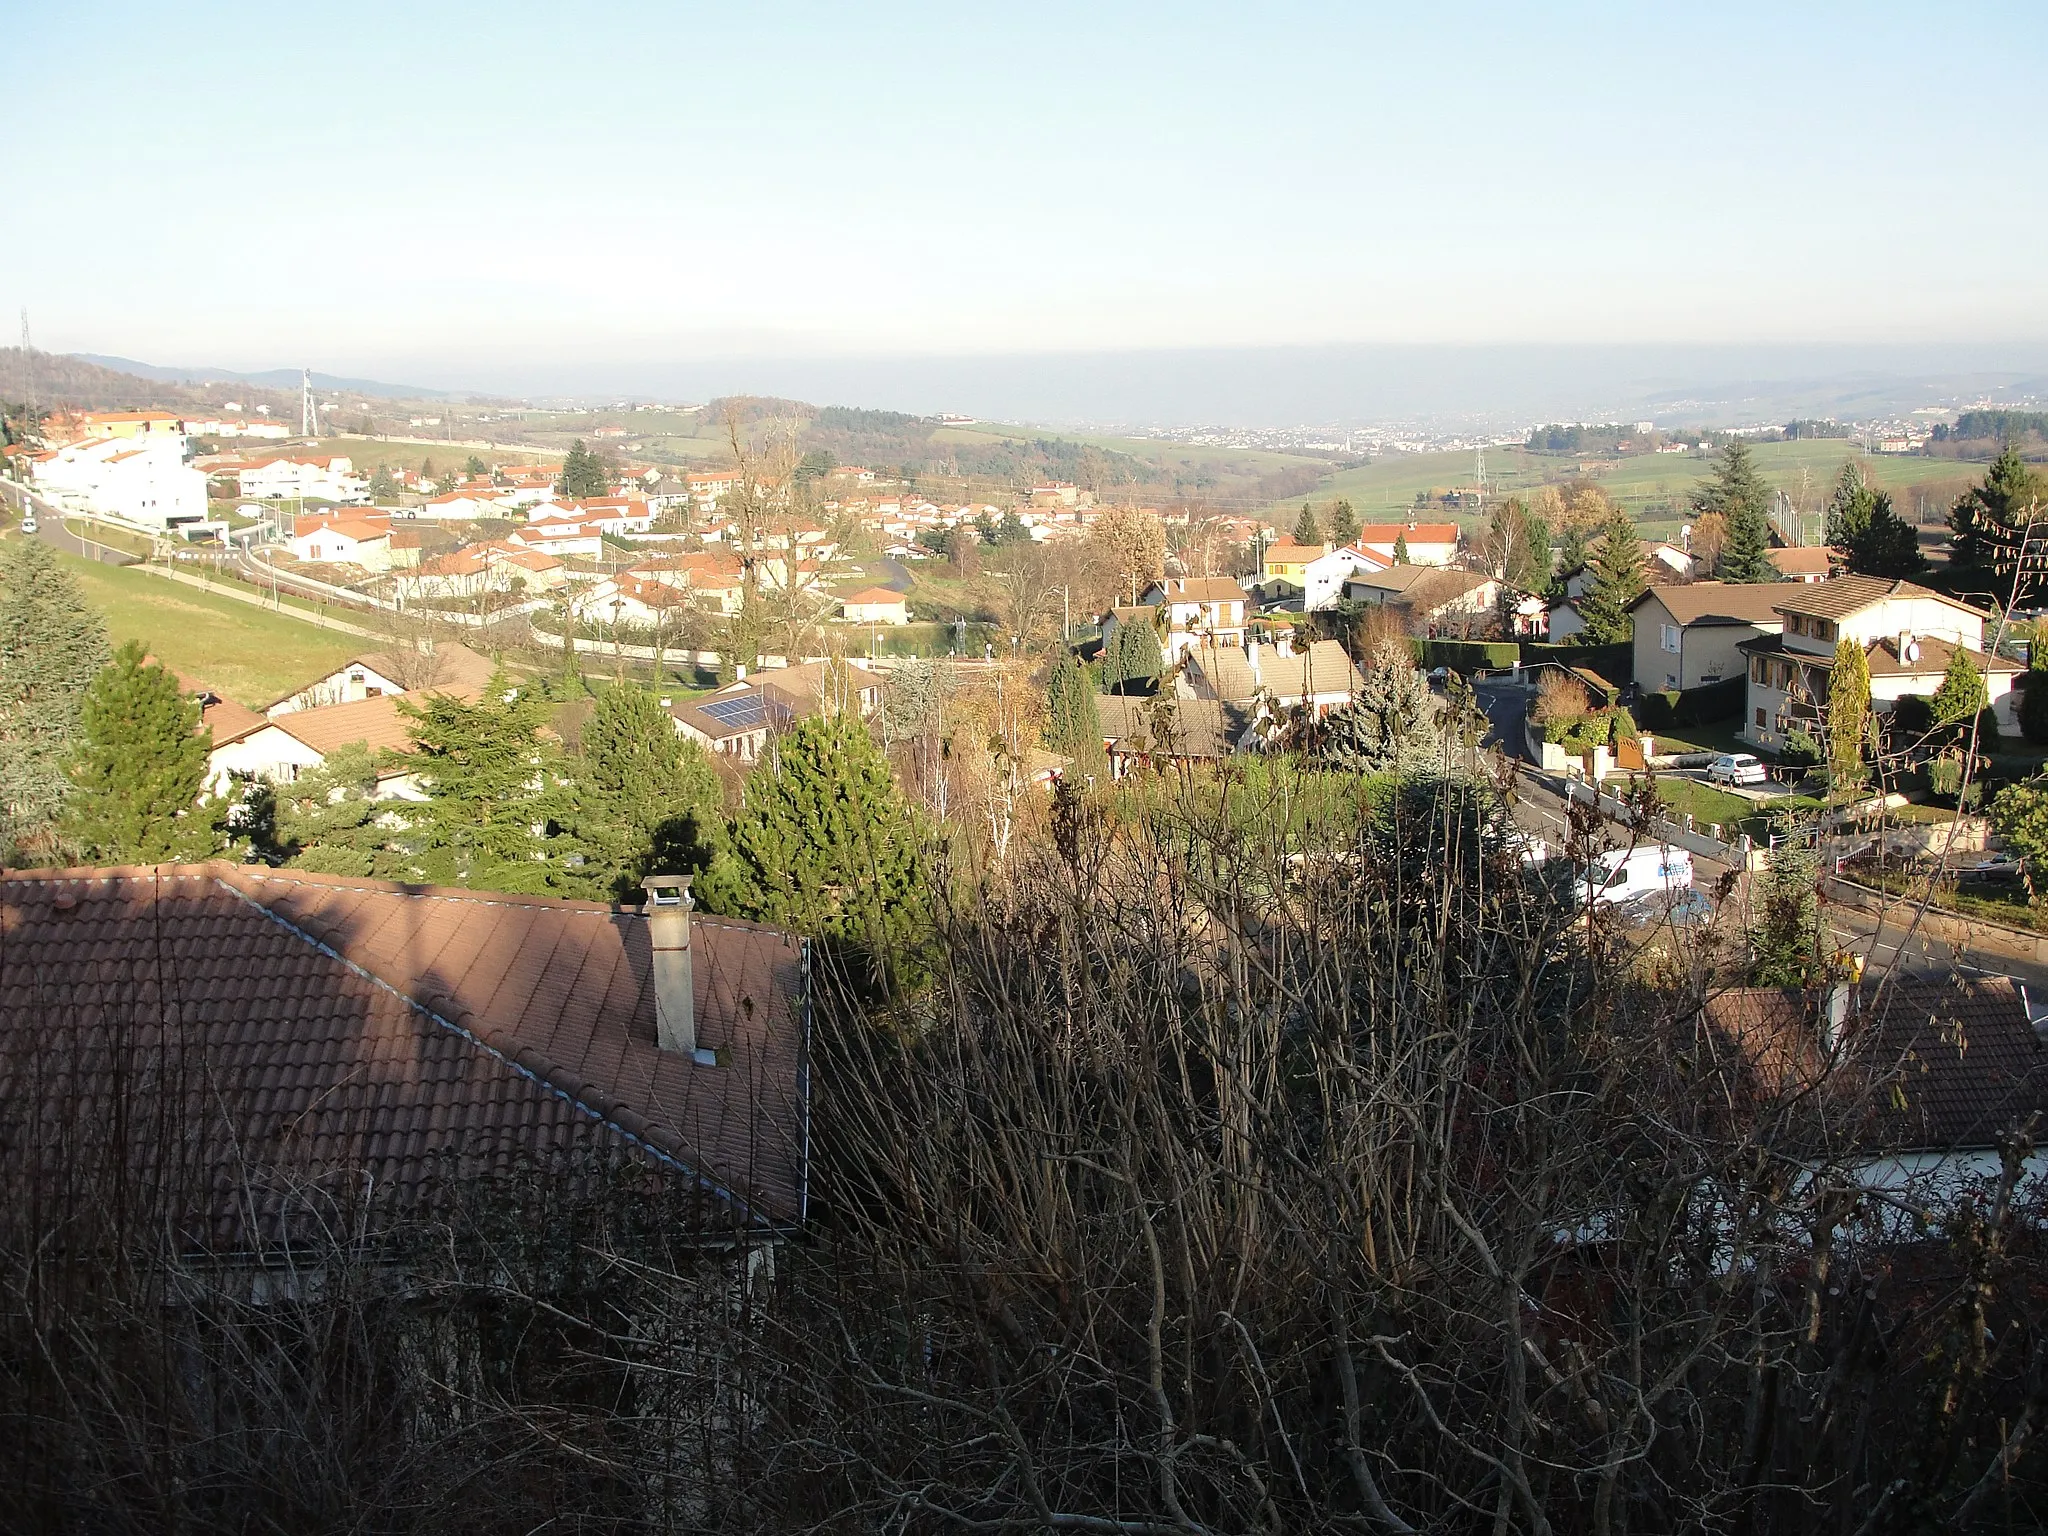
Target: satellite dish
1912,651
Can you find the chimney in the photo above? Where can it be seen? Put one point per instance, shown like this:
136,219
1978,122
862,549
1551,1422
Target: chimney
1251,656
1834,1025
668,934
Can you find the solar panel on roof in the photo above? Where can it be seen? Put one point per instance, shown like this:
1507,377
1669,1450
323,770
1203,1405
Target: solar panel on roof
748,709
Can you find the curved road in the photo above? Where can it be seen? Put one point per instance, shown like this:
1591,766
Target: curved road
51,530
892,574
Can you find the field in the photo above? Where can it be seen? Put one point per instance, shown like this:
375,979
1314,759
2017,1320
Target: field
247,654
1652,485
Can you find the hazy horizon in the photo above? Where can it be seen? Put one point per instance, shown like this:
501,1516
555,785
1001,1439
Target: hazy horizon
683,199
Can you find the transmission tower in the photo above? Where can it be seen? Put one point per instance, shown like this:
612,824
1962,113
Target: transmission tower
309,413
1479,473
28,370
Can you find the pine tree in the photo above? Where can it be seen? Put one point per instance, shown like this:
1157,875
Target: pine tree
1848,713
497,811
1306,530
1885,544
140,767
1848,507
583,474
383,487
1786,933
1962,693
1401,548
1394,725
331,821
649,802
1073,722
52,644
1343,523
1571,554
1620,576
826,844
1990,521
1133,660
1740,496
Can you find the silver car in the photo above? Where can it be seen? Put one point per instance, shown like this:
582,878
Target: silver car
1737,768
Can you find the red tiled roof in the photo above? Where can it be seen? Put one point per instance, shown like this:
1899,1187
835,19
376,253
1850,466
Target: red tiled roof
374,723
1415,533
874,595
345,1040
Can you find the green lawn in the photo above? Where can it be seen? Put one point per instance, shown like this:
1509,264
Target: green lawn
243,651
1713,736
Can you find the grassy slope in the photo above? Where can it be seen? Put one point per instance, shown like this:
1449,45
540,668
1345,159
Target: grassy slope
241,650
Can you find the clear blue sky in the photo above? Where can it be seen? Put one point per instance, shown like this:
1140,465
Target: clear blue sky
451,192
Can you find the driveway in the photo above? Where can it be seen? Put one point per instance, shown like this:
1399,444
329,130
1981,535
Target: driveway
1505,704
892,574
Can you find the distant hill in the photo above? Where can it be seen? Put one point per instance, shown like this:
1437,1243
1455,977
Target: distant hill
272,378
56,379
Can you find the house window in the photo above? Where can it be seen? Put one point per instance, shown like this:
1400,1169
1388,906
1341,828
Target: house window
1670,638
1759,717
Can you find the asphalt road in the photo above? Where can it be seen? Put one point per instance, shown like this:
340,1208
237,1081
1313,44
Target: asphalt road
51,530
893,574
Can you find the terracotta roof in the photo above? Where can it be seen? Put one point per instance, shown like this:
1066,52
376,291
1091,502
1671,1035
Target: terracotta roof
1415,533
374,723
1935,652
1720,602
227,720
341,1038
874,595
1811,560
1844,595
1932,1065
1202,589
453,668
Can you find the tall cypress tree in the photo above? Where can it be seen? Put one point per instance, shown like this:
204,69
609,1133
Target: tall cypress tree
52,644
1134,660
1620,576
1306,530
1848,507
1401,548
1739,494
650,801
1073,722
1848,713
140,767
1343,523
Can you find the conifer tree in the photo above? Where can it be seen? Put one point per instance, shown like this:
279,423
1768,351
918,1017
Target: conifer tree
1962,693
1343,523
1306,530
1848,507
1571,554
1989,522
1786,932
650,802
331,821
1620,576
1737,492
1401,548
582,474
1394,725
1073,722
1885,544
1133,660
497,812
140,767
52,644
826,844
1848,713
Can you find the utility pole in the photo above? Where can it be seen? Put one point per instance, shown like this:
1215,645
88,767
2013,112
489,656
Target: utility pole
28,371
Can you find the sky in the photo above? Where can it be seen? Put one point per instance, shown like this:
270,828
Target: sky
597,196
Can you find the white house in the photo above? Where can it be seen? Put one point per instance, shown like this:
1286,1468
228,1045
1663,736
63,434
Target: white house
1323,578
301,477
560,536
875,605
343,541
1908,635
141,479
1210,606
625,599
1424,543
449,667
477,569
468,504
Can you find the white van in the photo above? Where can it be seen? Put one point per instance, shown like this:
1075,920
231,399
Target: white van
1623,875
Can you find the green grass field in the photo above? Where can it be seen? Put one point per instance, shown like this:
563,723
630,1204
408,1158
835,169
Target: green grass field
246,653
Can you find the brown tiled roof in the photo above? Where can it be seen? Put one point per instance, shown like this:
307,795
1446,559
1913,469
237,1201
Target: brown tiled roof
1844,595
1322,668
227,720
1811,560
1202,589
375,723
1171,727
1935,652
1927,1065
378,1040
1424,588
453,669
1720,602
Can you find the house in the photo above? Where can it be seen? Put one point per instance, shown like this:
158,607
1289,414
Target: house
141,479
1142,732
1923,1077
468,504
445,667
551,535
714,580
283,1069
1285,560
1908,634
364,542
1424,543
736,720
1323,578
476,569
607,514
1678,563
1212,606
1435,600
630,600
1320,676
124,426
1814,562
300,477
875,605
1689,636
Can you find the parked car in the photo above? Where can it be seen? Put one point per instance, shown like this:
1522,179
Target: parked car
1679,907
1737,768
30,525
1624,875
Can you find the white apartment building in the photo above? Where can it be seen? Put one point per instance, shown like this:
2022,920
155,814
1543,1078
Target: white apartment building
143,480
294,477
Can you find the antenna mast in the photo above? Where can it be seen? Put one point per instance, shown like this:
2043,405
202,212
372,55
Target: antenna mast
28,372
309,413
1479,473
